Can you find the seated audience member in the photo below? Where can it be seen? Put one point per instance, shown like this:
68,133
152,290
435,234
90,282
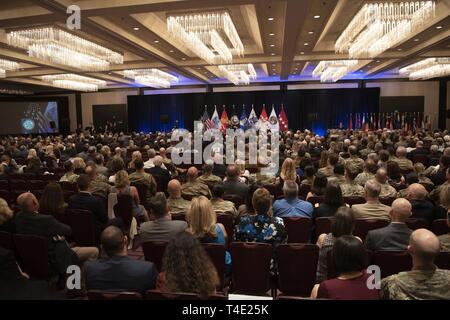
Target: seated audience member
247,207
395,236
425,281
350,188
175,202
434,155
422,208
151,156
122,187
332,201
342,224
309,176
29,221
370,169
193,187
207,176
338,176
78,165
261,227
350,260
419,169
6,217
384,158
69,176
354,162
444,239
404,163
233,184
372,209
99,161
410,179
187,267
219,169
387,191
116,164
163,228
291,205
34,166
395,177
327,171
319,186
8,164
436,193
140,176
136,155
419,150
84,200
219,204
444,203
440,175
3,175
287,173
160,170
119,272
52,200
99,185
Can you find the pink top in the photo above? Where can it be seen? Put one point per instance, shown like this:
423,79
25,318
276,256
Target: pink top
352,289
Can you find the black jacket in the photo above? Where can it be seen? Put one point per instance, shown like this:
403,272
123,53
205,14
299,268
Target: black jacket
86,201
423,209
394,237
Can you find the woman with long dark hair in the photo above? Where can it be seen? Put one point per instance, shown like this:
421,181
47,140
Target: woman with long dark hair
52,200
332,201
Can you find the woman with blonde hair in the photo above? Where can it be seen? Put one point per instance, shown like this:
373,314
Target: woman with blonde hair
78,165
32,154
6,217
288,172
134,156
122,187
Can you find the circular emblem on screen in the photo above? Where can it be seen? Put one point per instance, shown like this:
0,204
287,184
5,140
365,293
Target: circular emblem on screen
28,124
234,120
273,120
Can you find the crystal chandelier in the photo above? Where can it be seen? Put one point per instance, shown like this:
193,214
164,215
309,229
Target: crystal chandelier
238,74
151,77
332,71
6,65
61,47
15,92
74,82
427,69
378,27
207,35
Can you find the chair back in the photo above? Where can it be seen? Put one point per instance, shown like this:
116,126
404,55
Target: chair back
216,253
391,262
362,227
298,229
303,190
36,184
124,209
5,195
387,201
274,189
158,295
250,268
440,227
83,226
443,260
416,223
323,225
228,222
6,240
154,252
17,185
237,200
109,295
32,254
352,200
316,200
180,216
69,186
297,266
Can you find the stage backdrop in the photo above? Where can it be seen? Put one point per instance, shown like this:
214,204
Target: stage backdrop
306,109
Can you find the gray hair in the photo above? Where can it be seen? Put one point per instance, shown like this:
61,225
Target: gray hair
372,189
290,189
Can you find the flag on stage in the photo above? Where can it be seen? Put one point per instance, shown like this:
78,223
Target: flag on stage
234,121
372,124
379,121
224,120
215,119
263,119
207,123
350,124
205,115
363,122
253,120
273,121
243,120
284,125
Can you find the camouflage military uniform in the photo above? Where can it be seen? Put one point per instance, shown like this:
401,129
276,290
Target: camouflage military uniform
148,180
326,171
195,189
417,285
209,180
404,164
436,192
445,242
355,163
387,191
363,177
338,179
223,206
100,188
69,178
366,152
352,189
178,205
402,193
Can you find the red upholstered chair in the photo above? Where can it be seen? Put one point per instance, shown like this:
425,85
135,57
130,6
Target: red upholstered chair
158,295
443,260
303,190
362,227
108,295
323,225
274,190
228,222
36,185
124,209
315,200
387,201
354,200
181,216
69,186
4,185
32,254
154,252
83,226
237,200
297,266
6,240
298,229
440,227
415,223
216,253
391,262
250,267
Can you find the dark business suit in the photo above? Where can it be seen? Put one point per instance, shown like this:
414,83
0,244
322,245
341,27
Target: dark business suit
237,188
394,237
423,209
219,170
162,173
162,229
86,201
120,273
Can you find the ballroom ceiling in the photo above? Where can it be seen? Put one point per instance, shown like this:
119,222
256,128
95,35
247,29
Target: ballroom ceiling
283,39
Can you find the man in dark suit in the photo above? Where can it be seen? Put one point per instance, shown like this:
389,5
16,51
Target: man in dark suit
119,272
422,208
233,185
419,150
84,200
159,171
394,237
163,228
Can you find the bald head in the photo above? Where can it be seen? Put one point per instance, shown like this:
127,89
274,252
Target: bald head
424,246
174,188
416,191
158,161
401,152
191,174
401,210
381,175
28,202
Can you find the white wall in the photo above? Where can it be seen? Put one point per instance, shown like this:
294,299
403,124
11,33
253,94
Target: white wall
428,89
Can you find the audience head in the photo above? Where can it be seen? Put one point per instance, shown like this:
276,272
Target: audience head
351,172
444,198
208,167
159,205
290,189
309,171
333,159
416,191
232,172
261,201
217,191
349,255
191,174
201,218
99,159
151,153
401,210
122,180
384,155
339,169
84,182
381,176
68,166
343,222
401,152
117,164
424,246
5,212
158,161
114,242
288,171
174,188
28,202
372,190
319,184
352,150
393,170
52,199
370,166
333,195
91,171
411,178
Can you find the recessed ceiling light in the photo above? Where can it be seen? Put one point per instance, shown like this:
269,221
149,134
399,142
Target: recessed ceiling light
136,28
302,52
311,32
316,17
378,61
271,34
272,54
156,41
183,59
439,27
270,19
171,51
272,45
399,49
306,44
109,72
416,40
